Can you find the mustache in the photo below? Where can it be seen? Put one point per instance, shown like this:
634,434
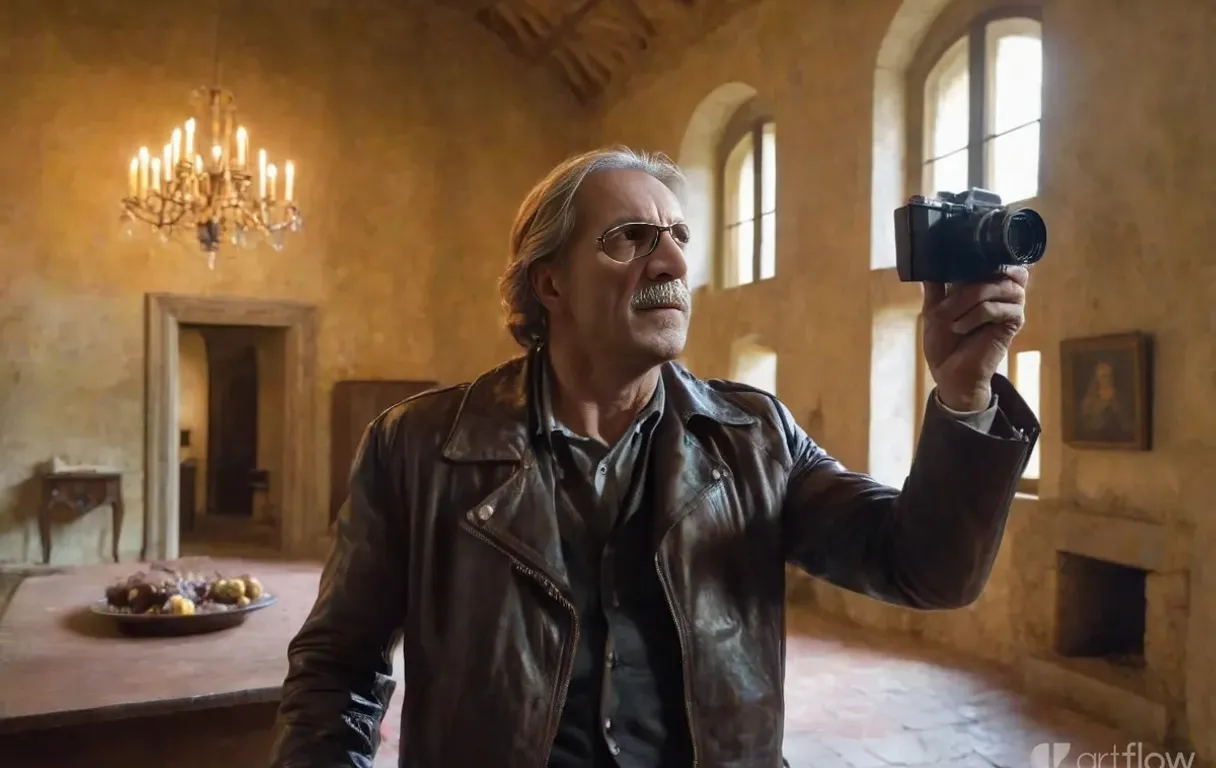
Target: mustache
673,293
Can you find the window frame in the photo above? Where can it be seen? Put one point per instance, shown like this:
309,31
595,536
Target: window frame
749,120
978,108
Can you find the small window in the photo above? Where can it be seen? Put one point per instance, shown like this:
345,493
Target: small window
749,207
993,142
1028,378
756,366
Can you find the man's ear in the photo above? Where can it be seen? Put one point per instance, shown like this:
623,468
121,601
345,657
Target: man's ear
546,283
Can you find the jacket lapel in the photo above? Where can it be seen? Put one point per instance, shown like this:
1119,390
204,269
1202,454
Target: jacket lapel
685,470
494,426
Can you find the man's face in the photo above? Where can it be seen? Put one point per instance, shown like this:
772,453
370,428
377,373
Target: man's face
638,311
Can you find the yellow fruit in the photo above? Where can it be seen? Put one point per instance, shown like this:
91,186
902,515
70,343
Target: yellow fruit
181,606
253,587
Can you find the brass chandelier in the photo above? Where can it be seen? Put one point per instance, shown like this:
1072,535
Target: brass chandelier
205,182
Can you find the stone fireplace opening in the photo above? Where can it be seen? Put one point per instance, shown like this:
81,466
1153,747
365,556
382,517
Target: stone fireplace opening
1102,610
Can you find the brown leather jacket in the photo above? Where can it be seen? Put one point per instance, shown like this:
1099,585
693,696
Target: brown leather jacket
449,543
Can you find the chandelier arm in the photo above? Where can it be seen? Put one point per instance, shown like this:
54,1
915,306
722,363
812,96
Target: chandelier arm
181,214
140,212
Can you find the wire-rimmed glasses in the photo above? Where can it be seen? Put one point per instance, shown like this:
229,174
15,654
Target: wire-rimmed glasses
637,239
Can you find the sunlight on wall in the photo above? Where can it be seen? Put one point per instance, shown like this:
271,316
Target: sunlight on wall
893,405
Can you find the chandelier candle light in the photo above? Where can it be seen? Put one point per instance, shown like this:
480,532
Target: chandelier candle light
212,191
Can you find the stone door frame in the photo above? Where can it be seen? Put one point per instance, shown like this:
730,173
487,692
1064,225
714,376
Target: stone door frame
166,313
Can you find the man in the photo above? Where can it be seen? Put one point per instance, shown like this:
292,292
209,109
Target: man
583,550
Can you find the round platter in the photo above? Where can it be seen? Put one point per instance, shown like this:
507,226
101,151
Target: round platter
167,624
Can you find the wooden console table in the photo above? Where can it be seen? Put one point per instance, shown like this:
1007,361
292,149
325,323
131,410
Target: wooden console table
82,492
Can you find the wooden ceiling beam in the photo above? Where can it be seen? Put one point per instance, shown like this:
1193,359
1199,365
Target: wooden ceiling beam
472,6
640,16
567,25
503,29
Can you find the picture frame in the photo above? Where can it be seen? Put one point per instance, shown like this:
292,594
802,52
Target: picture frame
1106,391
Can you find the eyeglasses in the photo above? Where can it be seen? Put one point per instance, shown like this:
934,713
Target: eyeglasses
636,240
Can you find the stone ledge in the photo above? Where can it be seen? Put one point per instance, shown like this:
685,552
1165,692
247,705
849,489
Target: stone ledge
1121,700
1121,540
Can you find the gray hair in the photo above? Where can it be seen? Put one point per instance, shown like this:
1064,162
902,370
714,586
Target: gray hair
545,222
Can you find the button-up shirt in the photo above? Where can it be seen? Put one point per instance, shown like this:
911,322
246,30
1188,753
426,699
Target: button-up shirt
625,701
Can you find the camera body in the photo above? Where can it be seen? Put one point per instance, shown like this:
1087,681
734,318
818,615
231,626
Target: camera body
964,237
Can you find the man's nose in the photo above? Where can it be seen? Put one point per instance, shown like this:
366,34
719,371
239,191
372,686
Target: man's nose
667,262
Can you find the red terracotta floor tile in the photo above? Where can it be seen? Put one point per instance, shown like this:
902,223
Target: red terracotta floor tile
858,699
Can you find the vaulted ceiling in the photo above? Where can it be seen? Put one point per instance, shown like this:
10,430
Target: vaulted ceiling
594,43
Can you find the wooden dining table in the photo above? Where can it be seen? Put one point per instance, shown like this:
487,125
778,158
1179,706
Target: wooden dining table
74,691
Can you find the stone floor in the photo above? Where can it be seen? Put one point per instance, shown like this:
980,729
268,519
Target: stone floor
860,700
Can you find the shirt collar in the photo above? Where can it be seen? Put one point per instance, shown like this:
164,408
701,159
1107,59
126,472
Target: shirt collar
548,422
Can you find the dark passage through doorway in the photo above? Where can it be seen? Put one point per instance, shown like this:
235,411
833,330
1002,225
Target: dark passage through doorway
232,410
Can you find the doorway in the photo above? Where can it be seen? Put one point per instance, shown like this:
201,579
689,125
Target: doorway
230,424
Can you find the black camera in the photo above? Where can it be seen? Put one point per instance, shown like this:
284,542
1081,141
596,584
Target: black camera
964,237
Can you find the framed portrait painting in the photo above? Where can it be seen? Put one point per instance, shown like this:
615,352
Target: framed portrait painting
1107,392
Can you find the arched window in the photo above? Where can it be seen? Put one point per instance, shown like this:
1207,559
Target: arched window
972,120
748,199
983,110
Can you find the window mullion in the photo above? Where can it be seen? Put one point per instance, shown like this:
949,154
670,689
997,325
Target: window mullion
757,196
977,52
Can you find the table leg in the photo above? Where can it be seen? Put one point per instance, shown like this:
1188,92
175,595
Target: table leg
116,523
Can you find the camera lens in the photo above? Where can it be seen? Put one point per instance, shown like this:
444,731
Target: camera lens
1024,235
1012,237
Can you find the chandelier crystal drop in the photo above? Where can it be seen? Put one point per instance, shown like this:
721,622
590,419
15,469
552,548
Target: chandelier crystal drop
204,181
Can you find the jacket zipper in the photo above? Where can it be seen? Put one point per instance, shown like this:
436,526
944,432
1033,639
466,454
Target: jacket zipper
671,606
563,686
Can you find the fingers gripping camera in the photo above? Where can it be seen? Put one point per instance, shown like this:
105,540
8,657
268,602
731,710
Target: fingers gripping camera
964,237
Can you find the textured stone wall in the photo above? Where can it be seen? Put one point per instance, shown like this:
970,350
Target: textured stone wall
414,132
1129,166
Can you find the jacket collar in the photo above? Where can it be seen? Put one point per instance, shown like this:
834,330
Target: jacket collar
496,419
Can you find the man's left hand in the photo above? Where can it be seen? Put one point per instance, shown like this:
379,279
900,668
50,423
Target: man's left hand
968,330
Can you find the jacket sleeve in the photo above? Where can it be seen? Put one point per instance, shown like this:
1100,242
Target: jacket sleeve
339,680
931,545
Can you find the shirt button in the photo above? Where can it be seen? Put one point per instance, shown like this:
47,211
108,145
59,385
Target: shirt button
603,470
485,513
610,661
614,748
607,724
716,474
